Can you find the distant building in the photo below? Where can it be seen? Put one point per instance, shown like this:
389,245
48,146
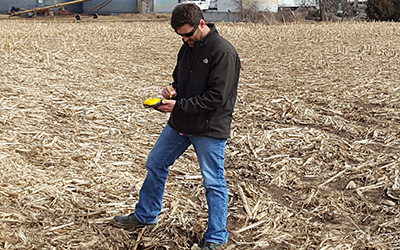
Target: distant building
233,5
91,6
6,5
158,6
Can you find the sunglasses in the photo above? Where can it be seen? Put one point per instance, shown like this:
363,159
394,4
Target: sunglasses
189,34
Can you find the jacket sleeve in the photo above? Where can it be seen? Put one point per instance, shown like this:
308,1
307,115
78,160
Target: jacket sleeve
221,80
175,74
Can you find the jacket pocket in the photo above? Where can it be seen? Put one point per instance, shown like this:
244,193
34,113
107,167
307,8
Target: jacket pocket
192,124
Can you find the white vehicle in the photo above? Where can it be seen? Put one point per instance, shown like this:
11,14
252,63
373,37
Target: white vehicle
204,4
297,3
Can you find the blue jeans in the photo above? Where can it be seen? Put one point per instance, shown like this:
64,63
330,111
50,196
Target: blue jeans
210,153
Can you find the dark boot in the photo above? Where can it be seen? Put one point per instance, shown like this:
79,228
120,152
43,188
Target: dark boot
127,222
211,246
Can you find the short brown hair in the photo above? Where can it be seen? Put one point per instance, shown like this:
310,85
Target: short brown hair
186,13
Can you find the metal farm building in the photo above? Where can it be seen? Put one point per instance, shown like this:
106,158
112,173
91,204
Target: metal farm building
113,7
6,5
110,7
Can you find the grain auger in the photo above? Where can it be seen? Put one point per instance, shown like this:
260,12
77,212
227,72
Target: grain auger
58,9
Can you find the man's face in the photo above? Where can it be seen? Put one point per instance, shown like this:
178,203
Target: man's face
189,33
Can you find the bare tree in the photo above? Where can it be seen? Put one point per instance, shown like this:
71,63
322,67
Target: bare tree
322,10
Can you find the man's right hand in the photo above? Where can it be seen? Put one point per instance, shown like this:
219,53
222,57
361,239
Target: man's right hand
168,92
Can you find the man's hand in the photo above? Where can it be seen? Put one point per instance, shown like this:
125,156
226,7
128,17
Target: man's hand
168,92
167,106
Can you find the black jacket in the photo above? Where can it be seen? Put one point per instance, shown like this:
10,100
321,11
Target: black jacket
206,80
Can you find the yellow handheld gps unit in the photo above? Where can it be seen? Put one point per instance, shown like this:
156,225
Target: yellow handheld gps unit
152,103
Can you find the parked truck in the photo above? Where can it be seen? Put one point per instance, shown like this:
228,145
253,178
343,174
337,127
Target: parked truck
204,5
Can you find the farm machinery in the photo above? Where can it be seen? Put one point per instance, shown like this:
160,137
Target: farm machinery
57,9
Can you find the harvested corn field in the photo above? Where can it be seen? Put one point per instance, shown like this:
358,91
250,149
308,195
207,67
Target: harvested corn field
313,161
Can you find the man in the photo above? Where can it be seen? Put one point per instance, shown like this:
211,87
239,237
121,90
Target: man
201,102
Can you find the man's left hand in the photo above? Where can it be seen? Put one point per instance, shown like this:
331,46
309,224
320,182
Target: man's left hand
167,106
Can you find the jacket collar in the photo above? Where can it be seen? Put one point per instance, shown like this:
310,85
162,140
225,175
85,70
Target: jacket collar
203,41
